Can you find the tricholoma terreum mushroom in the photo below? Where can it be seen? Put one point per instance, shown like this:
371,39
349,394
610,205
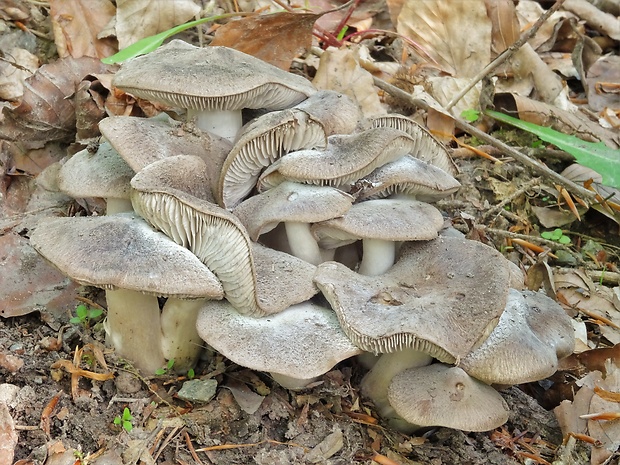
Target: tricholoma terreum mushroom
440,310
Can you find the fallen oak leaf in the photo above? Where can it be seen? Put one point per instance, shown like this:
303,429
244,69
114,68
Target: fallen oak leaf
276,38
46,111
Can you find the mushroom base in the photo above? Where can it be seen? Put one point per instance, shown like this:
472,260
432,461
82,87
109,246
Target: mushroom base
180,339
133,328
375,383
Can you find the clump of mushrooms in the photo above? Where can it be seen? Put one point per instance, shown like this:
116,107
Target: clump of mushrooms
280,212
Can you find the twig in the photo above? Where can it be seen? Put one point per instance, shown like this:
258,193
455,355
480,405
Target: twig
551,244
535,165
498,208
506,54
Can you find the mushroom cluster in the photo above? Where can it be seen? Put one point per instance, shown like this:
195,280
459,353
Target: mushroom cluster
241,227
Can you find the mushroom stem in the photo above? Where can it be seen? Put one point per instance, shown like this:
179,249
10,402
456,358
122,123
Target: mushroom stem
133,328
375,383
223,123
114,206
302,243
377,257
180,340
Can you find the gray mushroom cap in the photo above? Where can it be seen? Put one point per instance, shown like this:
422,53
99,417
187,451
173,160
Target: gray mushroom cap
346,159
123,252
142,141
532,334
440,395
337,112
442,297
260,143
300,342
294,202
427,147
235,80
102,174
410,177
384,219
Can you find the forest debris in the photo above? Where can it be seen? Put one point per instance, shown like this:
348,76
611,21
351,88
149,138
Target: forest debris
604,23
457,35
340,70
16,65
276,38
76,27
46,111
137,19
247,399
326,448
8,436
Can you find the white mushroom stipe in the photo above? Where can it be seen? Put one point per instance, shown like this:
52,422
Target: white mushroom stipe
302,243
140,312
223,123
378,256
180,339
376,382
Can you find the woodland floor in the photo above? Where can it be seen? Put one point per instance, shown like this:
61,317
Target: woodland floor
60,414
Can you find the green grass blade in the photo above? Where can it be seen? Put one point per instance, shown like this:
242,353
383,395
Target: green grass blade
148,44
597,156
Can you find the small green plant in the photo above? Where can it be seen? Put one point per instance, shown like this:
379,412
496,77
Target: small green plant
166,369
470,115
191,374
556,235
84,315
124,420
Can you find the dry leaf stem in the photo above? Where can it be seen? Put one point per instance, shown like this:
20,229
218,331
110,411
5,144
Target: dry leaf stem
497,209
506,54
535,165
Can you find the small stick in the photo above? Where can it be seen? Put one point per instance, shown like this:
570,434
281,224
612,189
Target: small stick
498,208
506,54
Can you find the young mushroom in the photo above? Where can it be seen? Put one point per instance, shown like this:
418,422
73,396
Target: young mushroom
533,333
427,147
380,224
407,177
441,395
101,174
161,196
346,159
297,206
142,141
135,265
213,83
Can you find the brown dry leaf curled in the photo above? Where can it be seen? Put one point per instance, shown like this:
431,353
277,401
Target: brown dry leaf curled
76,25
47,111
137,19
275,38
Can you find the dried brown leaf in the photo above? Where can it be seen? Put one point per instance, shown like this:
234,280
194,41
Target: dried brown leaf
137,19
504,24
46,111
456,34
275,38
8,436
77,24
339,70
